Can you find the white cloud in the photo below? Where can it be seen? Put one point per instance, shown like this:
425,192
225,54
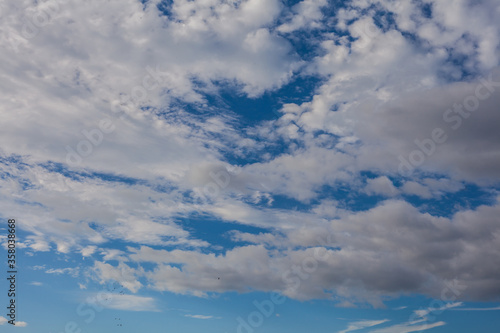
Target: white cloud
73,271
478,309
128,302
425,312
382,186
358,325
387,113
88,251
405,328
199,316
113,254
180,56
417,189
4,321
123,274
306,14
387,250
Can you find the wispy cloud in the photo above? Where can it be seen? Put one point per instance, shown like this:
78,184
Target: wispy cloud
411,326
478,309
406,328
129,303
423,313
199,316
58,271
358,325
400,308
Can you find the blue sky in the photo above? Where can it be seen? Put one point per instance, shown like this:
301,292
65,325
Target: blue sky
247,166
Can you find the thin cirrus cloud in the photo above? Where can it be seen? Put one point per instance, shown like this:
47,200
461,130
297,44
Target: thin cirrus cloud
199,316
358,325
425,312
128,302
422,321
407,328
497,308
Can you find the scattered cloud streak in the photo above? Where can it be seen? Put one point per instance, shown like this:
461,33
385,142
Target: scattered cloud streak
129,303
199,316
358,325
406,328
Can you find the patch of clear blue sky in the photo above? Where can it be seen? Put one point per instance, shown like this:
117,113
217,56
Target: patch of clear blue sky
216,233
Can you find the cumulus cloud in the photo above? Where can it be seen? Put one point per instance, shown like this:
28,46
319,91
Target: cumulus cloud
391,249
441,131
88,251
306,14
226,43
385,120
382,186
124,274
